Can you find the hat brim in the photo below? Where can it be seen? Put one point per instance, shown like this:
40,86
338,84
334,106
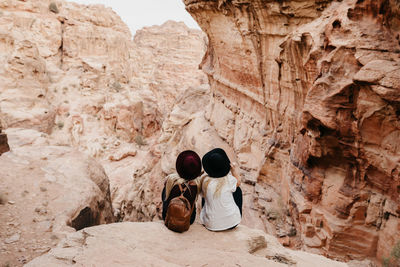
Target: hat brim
222,170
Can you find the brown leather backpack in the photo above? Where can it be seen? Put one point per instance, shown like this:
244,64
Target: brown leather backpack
179,212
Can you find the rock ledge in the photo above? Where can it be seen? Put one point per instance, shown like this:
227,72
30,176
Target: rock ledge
152,244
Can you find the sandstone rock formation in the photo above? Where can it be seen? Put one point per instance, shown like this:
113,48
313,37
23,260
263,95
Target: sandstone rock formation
71,76
46,192
304,96
74,72
77,74
166,61
307,94
166,66
141,200
152,244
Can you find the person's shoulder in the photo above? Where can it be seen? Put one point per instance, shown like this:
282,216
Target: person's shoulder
193,186
173,175
231,178
204,175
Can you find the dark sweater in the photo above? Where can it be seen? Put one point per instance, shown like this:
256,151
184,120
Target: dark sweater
175,192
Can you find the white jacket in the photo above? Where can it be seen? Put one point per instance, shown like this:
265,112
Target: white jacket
220,213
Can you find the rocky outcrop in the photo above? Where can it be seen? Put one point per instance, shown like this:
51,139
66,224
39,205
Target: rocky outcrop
166,61
140,198
46,192
307,95
151,243
76,73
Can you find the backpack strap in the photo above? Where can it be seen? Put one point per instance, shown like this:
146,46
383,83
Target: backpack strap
182,190
190,192
187,185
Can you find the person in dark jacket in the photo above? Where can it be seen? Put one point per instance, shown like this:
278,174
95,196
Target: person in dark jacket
188,167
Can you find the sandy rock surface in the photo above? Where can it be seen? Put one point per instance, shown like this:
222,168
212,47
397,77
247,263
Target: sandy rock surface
152,244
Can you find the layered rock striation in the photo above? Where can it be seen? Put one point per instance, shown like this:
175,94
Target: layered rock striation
307,94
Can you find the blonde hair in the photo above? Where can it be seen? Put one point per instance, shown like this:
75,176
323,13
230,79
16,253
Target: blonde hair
174,179
205,181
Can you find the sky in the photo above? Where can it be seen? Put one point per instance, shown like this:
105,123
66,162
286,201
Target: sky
137,14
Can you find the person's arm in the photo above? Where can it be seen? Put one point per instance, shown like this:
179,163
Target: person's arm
164,204
235,173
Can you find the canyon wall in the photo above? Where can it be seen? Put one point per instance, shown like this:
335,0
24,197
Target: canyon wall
73,71
166,61
307,93
304,96
75,85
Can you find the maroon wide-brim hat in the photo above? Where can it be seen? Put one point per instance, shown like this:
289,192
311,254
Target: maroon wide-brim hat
188,165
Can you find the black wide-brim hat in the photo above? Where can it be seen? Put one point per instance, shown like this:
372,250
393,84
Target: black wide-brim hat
216,163
188,165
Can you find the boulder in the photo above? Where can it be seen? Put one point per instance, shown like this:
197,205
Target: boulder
47,192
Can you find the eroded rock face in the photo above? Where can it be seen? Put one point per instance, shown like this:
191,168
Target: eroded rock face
166,61
73,72
151,243
307,95
185,128
304,95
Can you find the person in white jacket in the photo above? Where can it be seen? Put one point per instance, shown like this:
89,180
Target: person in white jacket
222,196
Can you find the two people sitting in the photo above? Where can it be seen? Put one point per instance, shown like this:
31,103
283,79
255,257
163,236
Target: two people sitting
218,186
